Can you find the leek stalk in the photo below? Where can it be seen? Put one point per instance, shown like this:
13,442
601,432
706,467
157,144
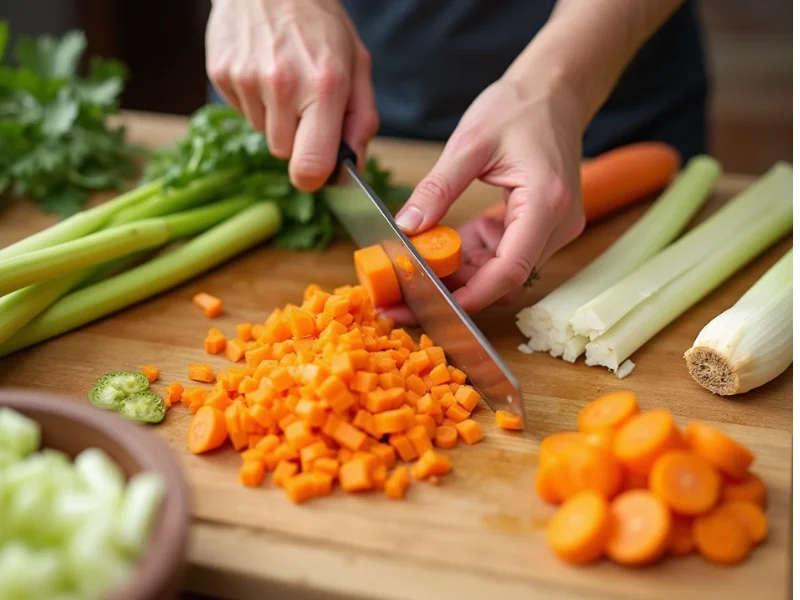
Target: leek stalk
601,313
547,323
749,344
240,232
740,246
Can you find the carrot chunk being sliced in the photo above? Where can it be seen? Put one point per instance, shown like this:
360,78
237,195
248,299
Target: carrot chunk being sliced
580,529
505,420
377,275
640,530
607,412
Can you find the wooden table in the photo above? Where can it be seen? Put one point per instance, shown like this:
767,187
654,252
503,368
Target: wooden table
480,533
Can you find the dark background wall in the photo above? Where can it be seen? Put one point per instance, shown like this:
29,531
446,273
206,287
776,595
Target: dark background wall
749,43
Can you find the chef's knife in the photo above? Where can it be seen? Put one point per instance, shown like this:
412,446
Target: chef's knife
368,221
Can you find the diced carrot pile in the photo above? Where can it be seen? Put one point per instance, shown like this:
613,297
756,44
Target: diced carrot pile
327,392
634,488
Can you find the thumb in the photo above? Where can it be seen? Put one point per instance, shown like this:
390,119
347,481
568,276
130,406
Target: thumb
434,195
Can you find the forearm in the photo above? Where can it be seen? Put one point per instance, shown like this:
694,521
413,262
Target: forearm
585,47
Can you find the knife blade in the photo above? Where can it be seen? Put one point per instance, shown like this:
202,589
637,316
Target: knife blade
368,221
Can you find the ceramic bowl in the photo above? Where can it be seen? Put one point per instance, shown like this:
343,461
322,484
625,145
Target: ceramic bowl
72,425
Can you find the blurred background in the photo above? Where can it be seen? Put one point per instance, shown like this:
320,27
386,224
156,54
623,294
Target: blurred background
749,46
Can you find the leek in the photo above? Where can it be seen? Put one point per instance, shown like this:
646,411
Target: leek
231,237
111,243
547,323
599,314
749,344
728,254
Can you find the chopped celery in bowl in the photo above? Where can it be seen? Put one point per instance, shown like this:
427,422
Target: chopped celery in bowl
91,505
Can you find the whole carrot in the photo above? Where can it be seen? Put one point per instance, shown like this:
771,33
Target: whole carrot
620,177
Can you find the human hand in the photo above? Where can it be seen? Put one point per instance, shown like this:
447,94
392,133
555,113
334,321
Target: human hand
297,70
527,142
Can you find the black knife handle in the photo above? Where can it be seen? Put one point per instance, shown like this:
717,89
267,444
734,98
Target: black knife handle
344,153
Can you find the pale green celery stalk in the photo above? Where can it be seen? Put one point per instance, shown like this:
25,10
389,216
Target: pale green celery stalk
612,304
741,246
81,223
177,199
749,344
114,242
220,243
50,263
547,322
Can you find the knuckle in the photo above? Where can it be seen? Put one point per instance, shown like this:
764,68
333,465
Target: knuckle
329,79
245,78
468,139
519,269
372,122
556,197
281,77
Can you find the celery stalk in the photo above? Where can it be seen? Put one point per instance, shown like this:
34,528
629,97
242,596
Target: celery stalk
177,199
547,323
231,237
749,344
48,263
735,250
81,223
612,304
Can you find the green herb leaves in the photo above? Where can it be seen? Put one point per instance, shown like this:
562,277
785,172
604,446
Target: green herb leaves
56,146
219,137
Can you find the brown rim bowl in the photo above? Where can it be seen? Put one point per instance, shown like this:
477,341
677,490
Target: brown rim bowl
71,426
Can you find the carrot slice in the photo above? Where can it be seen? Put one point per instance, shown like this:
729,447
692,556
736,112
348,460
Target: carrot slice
211,305
728,455
681,541
721,537
607,412
440,246
545,482
601,438
376,274
751,489
687,483
555,444
751,516
640,530
505,420
644,438
207,430
580,529
582,467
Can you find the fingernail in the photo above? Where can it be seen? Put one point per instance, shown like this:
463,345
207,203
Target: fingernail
409,219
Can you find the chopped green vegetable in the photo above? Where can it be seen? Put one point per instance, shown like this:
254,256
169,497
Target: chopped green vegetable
57,144
71,529
18,434
231,237
147,407
111,389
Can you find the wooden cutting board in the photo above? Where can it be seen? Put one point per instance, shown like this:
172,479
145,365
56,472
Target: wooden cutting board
480,533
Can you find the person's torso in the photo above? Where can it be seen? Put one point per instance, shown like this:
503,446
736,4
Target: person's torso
431,59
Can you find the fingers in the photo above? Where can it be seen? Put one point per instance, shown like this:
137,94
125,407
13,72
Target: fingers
460,163
279,91
532,211
361,120
246,85
319,131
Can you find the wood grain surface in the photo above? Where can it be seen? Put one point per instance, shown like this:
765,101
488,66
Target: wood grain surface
480,533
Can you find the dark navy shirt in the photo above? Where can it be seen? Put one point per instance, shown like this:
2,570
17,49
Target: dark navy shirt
431,59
